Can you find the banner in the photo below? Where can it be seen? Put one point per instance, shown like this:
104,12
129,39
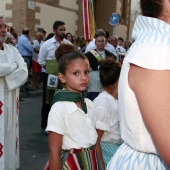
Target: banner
86,20
91,19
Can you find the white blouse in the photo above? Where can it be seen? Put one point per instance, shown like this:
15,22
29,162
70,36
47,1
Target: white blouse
107,117
77,128
150,50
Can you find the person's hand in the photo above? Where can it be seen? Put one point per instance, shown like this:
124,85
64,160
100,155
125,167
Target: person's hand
47,166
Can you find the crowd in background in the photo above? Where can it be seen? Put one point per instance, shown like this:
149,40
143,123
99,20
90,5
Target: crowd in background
29,49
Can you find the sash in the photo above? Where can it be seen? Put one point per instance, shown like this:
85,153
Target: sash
52,67
76,159
11,110
96,55
52,70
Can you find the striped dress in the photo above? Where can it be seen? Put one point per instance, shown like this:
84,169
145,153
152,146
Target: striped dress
150,51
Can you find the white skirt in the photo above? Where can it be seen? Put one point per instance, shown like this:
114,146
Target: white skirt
126,158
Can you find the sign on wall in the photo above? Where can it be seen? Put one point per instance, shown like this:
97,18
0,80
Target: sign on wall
31,5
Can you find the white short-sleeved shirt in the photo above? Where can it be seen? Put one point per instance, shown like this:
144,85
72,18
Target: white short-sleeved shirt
47,51
107,117
77,128
151,51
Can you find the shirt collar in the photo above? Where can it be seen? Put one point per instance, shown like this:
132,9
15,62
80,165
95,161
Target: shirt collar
148,29
72,107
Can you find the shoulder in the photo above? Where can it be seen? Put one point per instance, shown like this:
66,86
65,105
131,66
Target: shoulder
89,103
65,107
108,53
104,99
10,47
149,55
35,41
47,43
66,41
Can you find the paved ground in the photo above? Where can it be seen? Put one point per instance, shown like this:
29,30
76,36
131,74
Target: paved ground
33,144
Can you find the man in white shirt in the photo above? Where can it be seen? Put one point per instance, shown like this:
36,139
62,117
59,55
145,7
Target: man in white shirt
47,60
114,42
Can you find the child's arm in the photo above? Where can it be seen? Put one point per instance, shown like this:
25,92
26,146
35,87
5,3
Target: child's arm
98,147
46,166
55,146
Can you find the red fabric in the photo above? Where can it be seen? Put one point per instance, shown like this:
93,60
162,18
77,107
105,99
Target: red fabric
36,68
82,159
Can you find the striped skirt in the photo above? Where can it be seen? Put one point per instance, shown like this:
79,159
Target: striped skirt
80,159
108,150
126,158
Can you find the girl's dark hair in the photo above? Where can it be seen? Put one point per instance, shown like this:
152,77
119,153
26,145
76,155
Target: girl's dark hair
50,35
151,8
68,35
109,72
66,53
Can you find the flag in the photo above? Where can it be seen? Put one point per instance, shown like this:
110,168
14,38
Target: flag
91,19
88,19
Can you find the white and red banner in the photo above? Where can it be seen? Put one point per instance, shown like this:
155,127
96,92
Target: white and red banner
1,125
9,127
86,20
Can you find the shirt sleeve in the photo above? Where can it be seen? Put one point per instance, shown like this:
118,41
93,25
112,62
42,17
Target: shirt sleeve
102,115
27,45
56,119
42,55
19,76
7,68
153,56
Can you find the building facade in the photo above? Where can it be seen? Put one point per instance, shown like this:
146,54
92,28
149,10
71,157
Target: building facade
41,14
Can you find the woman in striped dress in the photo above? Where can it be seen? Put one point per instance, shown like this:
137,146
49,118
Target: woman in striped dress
144,97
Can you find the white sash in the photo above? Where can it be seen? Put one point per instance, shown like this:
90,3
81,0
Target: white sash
12,132
1,124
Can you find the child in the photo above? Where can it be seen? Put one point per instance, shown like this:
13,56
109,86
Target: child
71,125
106,111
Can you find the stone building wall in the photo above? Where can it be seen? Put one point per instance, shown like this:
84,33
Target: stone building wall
45,12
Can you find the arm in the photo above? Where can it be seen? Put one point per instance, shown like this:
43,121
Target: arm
55,146
151,88
27,45
36,50
46,166
42,55
98,147
7,68
18,76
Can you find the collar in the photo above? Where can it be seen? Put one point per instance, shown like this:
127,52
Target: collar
73,107
151,30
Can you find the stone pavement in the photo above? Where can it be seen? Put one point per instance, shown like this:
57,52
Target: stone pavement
39,92
33,144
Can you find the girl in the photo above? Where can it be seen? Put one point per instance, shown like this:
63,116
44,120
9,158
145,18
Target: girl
71,125
106,111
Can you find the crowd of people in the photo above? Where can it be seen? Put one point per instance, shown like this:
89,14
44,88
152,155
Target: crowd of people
105,102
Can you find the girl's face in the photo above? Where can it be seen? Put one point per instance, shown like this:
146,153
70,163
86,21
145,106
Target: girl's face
69,37
100,43
76,76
